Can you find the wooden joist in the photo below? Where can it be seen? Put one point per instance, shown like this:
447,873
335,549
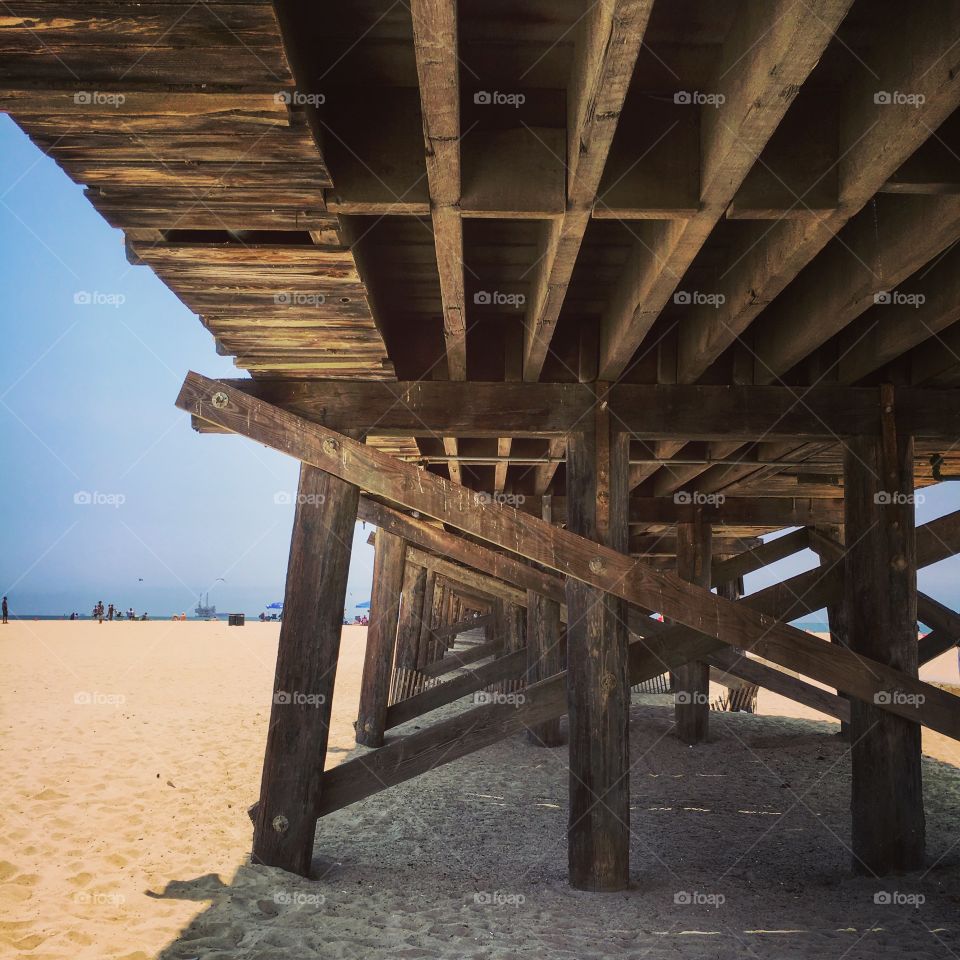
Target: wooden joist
564,552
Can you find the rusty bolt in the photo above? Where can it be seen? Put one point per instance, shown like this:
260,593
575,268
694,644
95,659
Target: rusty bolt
280,823
330,446
596,565
219,399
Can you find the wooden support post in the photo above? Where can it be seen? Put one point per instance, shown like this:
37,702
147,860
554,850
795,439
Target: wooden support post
433,593
408,631
544,659
388,557
741,694
836,611
306,666
692,693
515,638
888,826
598,690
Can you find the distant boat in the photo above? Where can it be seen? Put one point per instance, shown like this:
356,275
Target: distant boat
204,610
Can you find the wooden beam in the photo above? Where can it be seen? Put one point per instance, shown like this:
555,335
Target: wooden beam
779,682
650,656
545,657
457,659
563,551
875,139
438,72
598,691
880,247
388,561
692,680
407,679
687,411
306,665
509,665
888,831
608,40
766,58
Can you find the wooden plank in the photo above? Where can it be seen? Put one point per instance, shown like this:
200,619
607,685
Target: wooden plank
766,58
470,681
687,411
457,659
563,551
388,561
438,71
70,101
306,666
876,138
691,685
888,832
608,40
779,682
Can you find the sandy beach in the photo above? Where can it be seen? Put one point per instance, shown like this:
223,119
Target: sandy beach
132,751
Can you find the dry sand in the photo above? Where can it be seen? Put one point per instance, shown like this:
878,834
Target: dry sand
131,752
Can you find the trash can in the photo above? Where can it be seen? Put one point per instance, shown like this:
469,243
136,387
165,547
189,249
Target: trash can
236,619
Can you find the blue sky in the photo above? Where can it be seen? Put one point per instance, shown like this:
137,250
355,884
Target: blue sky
87,412
87,396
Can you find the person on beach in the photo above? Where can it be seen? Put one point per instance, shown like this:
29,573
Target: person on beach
5,610
110,613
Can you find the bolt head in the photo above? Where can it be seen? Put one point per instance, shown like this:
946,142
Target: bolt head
280,823
330,446
219,399
596,565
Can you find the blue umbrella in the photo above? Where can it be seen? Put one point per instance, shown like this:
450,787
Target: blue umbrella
278,605
363,606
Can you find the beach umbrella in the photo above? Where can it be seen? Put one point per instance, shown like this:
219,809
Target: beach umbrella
364,606
277,605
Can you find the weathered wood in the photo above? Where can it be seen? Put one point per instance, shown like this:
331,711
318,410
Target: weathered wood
458,659
690,412
608,39
888,827
407,679
598,692
545,657
777,681
306,666
691,689
508,666
388,563
565,552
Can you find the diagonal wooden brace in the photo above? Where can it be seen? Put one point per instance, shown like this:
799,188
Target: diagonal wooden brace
564,552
